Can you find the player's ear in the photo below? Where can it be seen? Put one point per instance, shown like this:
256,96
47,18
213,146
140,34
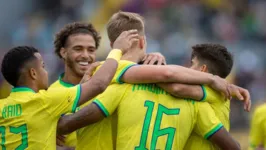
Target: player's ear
33,73
142,42
204,68
63,53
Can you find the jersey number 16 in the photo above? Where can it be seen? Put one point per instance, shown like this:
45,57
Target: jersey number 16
157,132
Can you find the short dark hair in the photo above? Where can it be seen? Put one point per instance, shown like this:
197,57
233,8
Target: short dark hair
123,21
14,60
75,28
218,60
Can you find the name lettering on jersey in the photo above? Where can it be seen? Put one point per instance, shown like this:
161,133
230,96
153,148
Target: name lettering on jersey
12,111
149,87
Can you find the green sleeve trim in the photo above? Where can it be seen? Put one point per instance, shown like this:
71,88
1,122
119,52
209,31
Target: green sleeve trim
102,108
204,93
22,89
76,101
213,131
118,79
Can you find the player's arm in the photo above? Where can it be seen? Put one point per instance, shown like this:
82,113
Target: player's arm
224,140
173,74
195,92
103,106
199,92
210,127
86,116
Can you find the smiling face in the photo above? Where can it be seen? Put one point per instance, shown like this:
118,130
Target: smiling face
79,53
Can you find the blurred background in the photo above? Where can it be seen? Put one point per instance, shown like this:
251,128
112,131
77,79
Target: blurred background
172,27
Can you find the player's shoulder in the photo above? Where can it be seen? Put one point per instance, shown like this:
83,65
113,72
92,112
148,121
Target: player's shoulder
56,84
2,101
117,88
123,65
125,62
213,95
213,92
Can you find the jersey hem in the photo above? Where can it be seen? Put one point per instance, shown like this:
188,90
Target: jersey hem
118,79
101,106
213,131
74,107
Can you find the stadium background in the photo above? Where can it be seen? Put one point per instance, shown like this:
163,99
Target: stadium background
172,27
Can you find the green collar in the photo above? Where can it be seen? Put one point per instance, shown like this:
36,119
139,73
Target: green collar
65,84
22,89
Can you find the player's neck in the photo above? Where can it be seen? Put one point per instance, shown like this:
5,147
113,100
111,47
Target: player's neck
71,77
28,84
134,55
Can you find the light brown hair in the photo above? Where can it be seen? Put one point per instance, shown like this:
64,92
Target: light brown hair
123,21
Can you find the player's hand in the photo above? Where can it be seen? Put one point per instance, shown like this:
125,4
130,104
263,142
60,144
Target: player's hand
221,85
154,58
125,40
60,140
241,94
89,72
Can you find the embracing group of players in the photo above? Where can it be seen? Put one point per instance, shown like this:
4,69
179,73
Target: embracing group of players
127,103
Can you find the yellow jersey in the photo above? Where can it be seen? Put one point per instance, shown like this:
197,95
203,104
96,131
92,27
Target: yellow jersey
100,133
257,135
150,118
71,139
28,120
221,107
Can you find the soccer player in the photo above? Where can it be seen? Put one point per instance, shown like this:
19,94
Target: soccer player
257,130
30,114
88,132
215,59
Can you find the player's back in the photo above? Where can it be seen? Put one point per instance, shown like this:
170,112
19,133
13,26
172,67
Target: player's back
149,118
24,122
28,120
221,107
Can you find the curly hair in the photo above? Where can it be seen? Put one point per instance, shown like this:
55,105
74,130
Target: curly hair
215,56
74,28
14,60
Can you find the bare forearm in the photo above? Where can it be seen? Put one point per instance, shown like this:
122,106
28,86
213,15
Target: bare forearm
189,76
87,115
183,90
224,140
168,73
99,81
